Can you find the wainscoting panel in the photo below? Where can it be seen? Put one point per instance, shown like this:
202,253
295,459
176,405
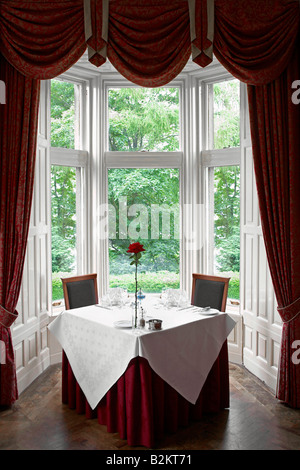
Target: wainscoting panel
29,332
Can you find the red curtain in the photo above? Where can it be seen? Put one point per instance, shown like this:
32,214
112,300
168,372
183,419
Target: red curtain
39,41
275,126
255,39
41,38
18,129
149,42
265,55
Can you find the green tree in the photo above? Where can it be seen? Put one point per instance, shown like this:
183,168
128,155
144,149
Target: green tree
143,119
145,187
227,217
62,114
227,179
226,114
63,217
63,179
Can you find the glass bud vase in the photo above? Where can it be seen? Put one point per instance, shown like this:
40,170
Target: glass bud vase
134,314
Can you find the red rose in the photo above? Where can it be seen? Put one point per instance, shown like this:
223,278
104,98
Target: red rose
135,248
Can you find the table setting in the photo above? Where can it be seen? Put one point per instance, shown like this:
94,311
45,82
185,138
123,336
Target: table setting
100,342
136,345
175,299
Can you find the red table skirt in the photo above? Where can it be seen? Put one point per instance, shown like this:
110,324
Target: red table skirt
142,407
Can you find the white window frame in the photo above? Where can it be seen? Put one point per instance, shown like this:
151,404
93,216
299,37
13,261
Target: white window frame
211,158
79,159
144,159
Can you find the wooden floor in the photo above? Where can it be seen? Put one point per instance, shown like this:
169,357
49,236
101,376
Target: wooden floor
256,420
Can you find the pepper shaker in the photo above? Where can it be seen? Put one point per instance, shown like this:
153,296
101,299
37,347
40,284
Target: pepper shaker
142,319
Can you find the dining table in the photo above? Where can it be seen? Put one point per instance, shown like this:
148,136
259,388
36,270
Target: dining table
144,383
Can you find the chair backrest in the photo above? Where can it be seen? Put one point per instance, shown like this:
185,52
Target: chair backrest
210,291
80,291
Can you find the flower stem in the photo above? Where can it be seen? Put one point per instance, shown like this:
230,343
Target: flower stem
136,288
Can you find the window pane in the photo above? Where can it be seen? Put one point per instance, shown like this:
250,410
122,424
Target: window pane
226,114
227,225
64,114
63,219
144,207
143,119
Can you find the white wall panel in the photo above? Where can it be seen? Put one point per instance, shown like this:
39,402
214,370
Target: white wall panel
19,356
29,332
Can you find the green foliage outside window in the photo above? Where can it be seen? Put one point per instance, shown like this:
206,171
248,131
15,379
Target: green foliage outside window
227,218
63,185
62,114
226,113
63,217
143,119
145,187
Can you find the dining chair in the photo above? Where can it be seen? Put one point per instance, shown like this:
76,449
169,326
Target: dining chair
80,291
210,291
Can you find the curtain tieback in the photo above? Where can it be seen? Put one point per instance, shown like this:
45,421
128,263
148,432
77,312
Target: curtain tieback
290,312
7,318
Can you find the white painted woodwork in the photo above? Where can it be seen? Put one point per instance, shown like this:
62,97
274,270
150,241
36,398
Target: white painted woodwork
29,332
261,321
210,158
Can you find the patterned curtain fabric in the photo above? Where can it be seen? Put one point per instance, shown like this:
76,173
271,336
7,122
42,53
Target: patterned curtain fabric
42,39
275,125
254,39
18,130
149,41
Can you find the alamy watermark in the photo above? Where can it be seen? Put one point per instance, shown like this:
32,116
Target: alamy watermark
154,222
296,94
2,352
2,92
296,354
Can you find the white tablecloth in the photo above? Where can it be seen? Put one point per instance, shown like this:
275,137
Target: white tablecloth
182,353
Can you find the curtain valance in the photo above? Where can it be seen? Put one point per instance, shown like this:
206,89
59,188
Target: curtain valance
254,40
42,39
149,42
